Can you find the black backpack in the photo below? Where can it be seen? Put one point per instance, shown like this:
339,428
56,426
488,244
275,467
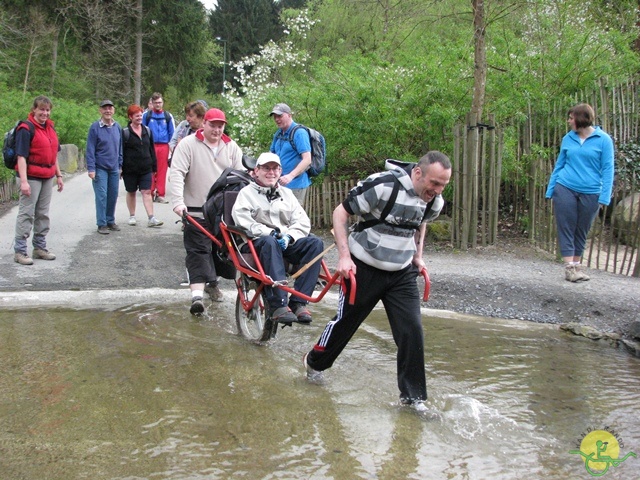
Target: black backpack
318,150
222,196
220,199
126,134
390,165
9,145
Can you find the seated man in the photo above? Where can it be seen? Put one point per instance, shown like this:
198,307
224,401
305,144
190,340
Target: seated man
280,227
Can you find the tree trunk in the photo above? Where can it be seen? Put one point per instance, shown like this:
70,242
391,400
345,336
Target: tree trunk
480,59
137,74
28,66
54,60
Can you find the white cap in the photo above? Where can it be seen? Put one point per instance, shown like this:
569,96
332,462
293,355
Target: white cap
268,157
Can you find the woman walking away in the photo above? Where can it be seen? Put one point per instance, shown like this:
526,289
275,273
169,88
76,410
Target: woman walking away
581,181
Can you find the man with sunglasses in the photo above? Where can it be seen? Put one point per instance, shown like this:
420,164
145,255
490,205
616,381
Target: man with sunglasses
280,228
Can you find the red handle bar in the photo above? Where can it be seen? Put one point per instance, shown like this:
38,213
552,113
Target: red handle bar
427,284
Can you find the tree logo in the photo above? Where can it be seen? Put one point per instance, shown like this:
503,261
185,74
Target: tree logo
600,449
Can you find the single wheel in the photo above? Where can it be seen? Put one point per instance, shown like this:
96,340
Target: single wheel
253,324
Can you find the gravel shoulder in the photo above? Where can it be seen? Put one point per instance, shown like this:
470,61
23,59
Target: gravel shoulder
509,280
516,281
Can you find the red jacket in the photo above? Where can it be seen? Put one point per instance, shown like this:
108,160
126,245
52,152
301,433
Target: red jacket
43,153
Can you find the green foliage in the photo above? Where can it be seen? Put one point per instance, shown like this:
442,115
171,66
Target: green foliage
439,230
379,79
243,26
628,166
71,119
175,46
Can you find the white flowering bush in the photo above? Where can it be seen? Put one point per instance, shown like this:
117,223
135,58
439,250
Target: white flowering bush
258,78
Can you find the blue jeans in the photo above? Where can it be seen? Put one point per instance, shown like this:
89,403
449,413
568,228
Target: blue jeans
105,187
574,212
299,253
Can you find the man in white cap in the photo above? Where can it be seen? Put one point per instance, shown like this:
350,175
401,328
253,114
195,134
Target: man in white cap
197,163
281,230
296,156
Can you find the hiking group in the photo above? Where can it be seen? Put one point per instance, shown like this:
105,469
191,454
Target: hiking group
383,251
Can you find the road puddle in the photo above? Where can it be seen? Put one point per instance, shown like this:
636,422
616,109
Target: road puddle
149,392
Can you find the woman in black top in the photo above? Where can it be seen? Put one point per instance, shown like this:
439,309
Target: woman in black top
138,165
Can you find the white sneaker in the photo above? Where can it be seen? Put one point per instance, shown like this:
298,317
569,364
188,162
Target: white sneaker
132,221
312,375
154,222
419,406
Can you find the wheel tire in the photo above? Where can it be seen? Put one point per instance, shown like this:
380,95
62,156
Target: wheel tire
254,325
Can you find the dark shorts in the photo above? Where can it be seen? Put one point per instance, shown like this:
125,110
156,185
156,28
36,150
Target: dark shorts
134,181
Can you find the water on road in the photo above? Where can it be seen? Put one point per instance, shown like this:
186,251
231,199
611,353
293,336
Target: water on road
149,392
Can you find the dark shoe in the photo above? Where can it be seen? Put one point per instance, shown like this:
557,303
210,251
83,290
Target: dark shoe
283,315
213,290
302,313
113,227
197,307
22,259
43,254
103,230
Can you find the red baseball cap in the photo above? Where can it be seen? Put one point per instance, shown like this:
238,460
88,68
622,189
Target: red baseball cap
215,114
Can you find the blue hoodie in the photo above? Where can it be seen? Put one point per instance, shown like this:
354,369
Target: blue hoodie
585,167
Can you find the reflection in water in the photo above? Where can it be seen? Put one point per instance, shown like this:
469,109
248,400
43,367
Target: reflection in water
149,392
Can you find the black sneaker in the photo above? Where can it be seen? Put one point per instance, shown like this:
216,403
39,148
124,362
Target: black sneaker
113,227
103,230
197,307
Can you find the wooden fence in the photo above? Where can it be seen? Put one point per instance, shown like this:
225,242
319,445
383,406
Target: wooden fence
477,165
8,190
609,247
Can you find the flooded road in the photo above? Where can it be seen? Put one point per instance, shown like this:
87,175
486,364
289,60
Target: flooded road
147,392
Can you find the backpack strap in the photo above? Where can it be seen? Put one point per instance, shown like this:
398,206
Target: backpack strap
30,126
126,133
358,227
292,132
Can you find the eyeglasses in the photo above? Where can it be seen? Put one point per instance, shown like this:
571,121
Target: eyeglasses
270,169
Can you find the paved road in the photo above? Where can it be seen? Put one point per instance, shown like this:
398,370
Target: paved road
136,263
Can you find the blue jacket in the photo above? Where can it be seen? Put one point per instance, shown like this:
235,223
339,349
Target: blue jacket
160,124
289,157
104,147
585,167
